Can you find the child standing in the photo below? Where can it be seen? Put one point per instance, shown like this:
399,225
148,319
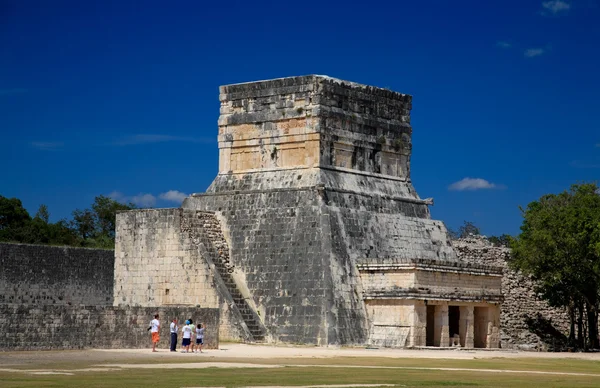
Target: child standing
199,338
187,337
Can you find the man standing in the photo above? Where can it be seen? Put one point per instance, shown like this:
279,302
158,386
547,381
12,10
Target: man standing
154,327
174,329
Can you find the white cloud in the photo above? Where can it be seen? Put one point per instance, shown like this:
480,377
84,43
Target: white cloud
144,200
147,199
173,196
555,6
503,44
47,145
155,138
472,184
534,52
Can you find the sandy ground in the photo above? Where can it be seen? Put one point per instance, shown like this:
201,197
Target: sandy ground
252,356
240,353
244,351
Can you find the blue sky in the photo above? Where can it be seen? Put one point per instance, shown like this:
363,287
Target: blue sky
121,97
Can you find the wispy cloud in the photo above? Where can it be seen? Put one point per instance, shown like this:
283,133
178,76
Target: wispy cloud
147,199
555,7
534,52
12,92
597,145
470,184
173,196
582,164
155,138
142,199
47,145
503,44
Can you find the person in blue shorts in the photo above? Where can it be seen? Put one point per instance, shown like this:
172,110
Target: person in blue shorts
187,337
199,338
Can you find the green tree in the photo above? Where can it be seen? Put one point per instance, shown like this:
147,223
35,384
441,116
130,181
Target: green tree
84,223
96,226
105,212
503,240
43,213
13,219
559,246
468,228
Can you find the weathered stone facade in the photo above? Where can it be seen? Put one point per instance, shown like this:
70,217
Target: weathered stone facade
527,322
61,298
328,241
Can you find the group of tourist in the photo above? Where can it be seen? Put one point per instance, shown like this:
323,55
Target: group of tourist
188,332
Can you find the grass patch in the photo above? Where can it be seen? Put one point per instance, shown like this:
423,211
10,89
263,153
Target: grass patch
290,376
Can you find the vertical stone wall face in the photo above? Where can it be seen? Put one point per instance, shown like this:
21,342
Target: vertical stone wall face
158,264
391,322
47,327
162,258
277,247
526,321
61,298
47,275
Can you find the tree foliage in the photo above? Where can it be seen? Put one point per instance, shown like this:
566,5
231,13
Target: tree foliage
504,240
93,227
467,229
559,246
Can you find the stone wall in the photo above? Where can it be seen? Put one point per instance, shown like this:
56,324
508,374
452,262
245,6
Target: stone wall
314,121
278,253
49,275
46,327
165,257
168,270
526,321
61,298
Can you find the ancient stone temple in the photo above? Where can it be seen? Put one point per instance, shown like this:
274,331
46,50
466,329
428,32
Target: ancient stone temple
312,231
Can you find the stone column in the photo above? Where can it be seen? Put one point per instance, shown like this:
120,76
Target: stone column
493,337
442,331
466,326
419,326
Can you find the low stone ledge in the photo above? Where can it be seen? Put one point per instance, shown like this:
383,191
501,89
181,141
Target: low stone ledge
432,266
425,295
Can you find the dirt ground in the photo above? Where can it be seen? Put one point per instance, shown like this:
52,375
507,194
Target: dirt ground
238,353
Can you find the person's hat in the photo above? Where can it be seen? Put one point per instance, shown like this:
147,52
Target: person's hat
187,322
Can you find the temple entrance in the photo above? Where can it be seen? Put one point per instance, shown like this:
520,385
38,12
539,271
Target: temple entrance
430,333
480,316
454,324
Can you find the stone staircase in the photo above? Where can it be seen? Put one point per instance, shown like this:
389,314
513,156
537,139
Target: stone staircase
204,228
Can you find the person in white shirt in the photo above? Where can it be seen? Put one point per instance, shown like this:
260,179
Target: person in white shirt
154,328
174,329
187,336
199,338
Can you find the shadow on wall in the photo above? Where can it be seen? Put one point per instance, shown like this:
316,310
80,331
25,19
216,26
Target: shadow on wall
548,334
